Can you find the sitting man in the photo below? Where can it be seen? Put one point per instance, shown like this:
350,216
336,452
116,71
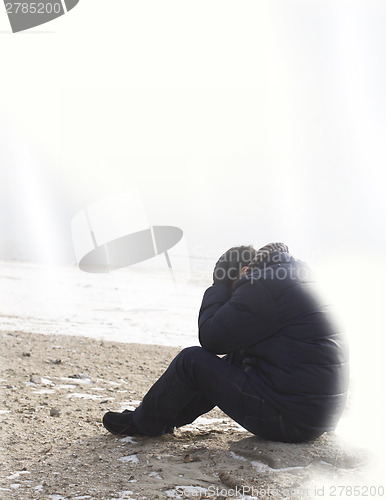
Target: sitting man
285,374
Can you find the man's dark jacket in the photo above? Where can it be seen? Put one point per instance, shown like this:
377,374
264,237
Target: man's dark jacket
288,340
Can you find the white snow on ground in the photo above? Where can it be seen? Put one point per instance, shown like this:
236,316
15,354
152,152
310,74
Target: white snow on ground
155,474
124,495
125,306
238,457
17,474
46,381
262,467
128,439
129,458
129,405
85,396
44,391
77,381
205,423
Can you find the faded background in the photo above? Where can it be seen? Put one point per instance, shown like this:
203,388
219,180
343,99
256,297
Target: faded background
247,122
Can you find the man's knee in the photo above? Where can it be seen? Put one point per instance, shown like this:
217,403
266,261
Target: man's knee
192,352
193,356
193,359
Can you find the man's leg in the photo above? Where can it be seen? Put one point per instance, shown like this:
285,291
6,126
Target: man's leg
194,383
200,404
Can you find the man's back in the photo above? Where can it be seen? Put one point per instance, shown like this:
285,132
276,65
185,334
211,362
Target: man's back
290,344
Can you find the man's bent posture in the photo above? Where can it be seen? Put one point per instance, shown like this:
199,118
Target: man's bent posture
285,374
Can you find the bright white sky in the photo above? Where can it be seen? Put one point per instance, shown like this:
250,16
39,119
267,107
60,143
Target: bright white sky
241,122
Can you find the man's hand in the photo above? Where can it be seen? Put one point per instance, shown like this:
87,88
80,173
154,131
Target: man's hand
226,271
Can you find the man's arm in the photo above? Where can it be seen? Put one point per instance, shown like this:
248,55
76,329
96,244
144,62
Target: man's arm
228,322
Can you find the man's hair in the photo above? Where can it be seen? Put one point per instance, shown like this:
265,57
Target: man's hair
242,255
247,256
237,258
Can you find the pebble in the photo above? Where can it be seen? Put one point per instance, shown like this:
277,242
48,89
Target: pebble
56,361
82,376
35,379
54,412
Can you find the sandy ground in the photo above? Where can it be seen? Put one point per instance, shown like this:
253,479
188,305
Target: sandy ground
54,391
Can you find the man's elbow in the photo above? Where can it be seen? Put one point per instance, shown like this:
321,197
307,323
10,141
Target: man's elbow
210,342
207,342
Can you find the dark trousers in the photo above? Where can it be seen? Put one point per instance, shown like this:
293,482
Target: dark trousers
195,382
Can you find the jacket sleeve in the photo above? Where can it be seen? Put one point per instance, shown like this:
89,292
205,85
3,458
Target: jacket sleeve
228,322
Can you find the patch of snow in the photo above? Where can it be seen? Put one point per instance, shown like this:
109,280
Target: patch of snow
129,458
209,421
238,457
173,493
128,439
84,396
47,381
4,411
262,467
127,407
17,474
77,381
204,422
131,403
123,495
155,474
45,391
